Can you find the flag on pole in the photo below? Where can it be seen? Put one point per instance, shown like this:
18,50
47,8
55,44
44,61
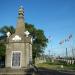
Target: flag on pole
70,36
61,42
50,38
66,40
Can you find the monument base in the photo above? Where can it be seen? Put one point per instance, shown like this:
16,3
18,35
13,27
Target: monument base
10,71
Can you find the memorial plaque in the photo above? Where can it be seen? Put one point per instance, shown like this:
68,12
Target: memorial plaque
16,59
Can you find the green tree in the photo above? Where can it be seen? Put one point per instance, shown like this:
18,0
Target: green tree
3,32
39,38
3,36
2,50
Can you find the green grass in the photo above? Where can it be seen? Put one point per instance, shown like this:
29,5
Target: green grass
56,66
48,66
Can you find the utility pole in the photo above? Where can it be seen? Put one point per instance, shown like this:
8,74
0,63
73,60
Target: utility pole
66,53
49,53
72,53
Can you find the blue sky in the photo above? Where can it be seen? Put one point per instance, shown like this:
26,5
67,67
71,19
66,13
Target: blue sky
55,17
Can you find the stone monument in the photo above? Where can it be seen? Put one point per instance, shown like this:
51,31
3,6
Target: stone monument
19,45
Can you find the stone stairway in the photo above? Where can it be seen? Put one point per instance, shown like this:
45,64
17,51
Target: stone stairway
9,71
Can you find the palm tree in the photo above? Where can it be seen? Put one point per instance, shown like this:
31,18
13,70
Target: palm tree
3,32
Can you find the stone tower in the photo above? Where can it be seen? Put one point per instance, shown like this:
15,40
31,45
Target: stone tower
19,45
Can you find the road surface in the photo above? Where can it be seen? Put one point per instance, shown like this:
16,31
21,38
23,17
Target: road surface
43,71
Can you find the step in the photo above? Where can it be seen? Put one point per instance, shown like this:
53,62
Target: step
9,71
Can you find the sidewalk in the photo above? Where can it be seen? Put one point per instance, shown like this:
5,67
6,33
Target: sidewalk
67,71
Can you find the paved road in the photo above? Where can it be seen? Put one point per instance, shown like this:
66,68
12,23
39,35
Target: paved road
43,71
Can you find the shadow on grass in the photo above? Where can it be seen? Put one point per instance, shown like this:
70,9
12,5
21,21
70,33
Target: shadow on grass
32,71
29,71
45,71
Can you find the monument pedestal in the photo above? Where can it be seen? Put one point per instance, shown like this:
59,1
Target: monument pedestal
22,71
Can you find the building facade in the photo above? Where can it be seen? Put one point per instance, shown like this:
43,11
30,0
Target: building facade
19,45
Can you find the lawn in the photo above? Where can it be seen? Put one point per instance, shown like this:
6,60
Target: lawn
57,66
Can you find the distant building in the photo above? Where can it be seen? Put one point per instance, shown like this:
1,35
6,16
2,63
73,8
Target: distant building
40,59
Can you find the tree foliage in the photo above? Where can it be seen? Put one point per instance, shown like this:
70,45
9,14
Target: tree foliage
3,37
2,49
39,40
4,30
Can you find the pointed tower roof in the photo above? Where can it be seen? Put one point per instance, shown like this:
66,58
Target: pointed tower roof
20,35
20,23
